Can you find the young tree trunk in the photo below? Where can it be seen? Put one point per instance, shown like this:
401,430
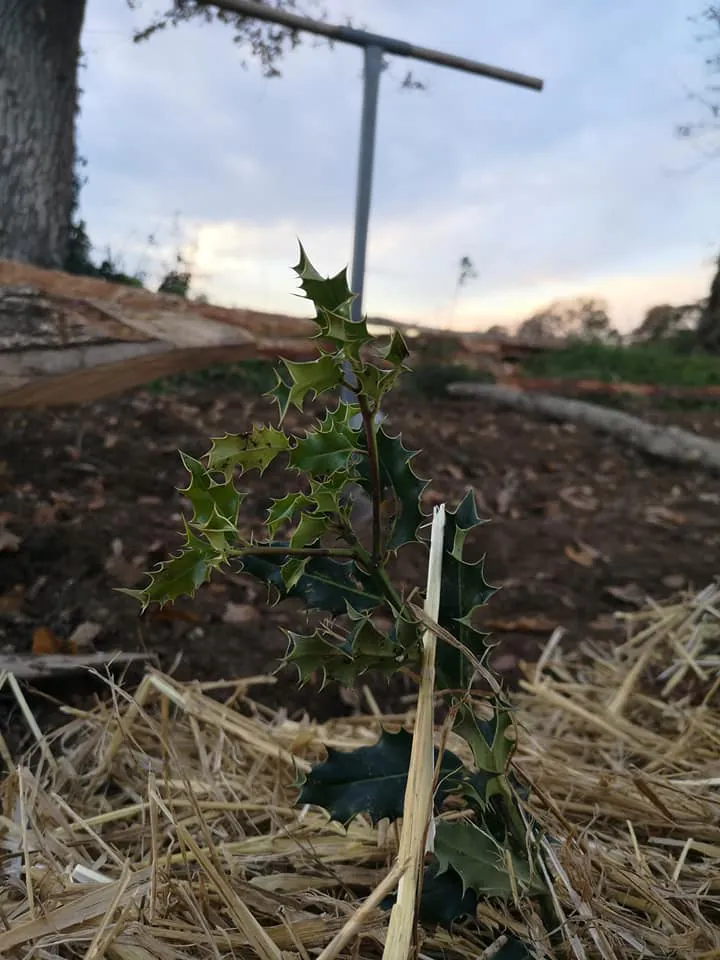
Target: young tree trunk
39,51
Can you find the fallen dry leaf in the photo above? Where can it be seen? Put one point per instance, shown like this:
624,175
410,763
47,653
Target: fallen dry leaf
9,542
45,513
629,593
581,555
127,573
674,581
664,517
83,637
454,471
507,493
44,642
12,601
240,613
581,498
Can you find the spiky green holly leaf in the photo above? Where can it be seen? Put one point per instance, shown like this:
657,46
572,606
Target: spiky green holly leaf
372,649
331,446
292,570
401,643
333,301
179,576
487,739
326,493
397,351
482,863
283,511
313,377
309,531
254,450
442,900
315,652
375,383
326,583
327,293
366,648
321,453
514,949
280,393
463,590
370,780
397,478
215,505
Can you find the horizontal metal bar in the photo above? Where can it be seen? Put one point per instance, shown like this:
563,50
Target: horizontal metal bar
360,38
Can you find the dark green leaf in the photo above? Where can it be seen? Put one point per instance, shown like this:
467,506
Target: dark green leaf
333,300
309,530
326,493
282,511
397,351
292,570
514,949
375,383
370,780
398,478
486,738
179,576
481,862
327,584
321,453
280,393
255,450
443,899
315,653
331,446
464,589
215,505
314,377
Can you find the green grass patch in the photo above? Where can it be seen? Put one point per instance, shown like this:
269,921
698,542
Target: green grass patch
656,364
249,376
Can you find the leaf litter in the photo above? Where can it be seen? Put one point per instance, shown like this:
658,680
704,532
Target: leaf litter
162,824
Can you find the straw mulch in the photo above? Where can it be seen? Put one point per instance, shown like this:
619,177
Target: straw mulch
161,825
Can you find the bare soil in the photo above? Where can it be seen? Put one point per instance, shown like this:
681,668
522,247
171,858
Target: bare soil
580,527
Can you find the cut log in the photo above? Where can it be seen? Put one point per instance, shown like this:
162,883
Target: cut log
671,444
68,340
567,387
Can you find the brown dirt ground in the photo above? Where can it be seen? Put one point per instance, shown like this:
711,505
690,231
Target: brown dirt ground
581,526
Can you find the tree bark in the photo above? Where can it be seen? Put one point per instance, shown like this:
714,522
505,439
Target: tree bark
671,444
39,52
708,329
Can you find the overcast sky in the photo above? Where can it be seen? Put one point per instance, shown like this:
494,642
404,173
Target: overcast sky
580,189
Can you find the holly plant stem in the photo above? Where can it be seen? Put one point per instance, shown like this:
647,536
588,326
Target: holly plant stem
371,440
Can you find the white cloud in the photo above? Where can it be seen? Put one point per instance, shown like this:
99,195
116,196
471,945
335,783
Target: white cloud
580,189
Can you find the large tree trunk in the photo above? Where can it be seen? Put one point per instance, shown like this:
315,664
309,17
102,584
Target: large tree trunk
708,329
39,51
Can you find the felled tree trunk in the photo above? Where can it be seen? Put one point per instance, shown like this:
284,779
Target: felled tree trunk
39,51
666,443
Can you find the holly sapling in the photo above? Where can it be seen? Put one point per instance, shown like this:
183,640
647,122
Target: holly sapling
310,550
